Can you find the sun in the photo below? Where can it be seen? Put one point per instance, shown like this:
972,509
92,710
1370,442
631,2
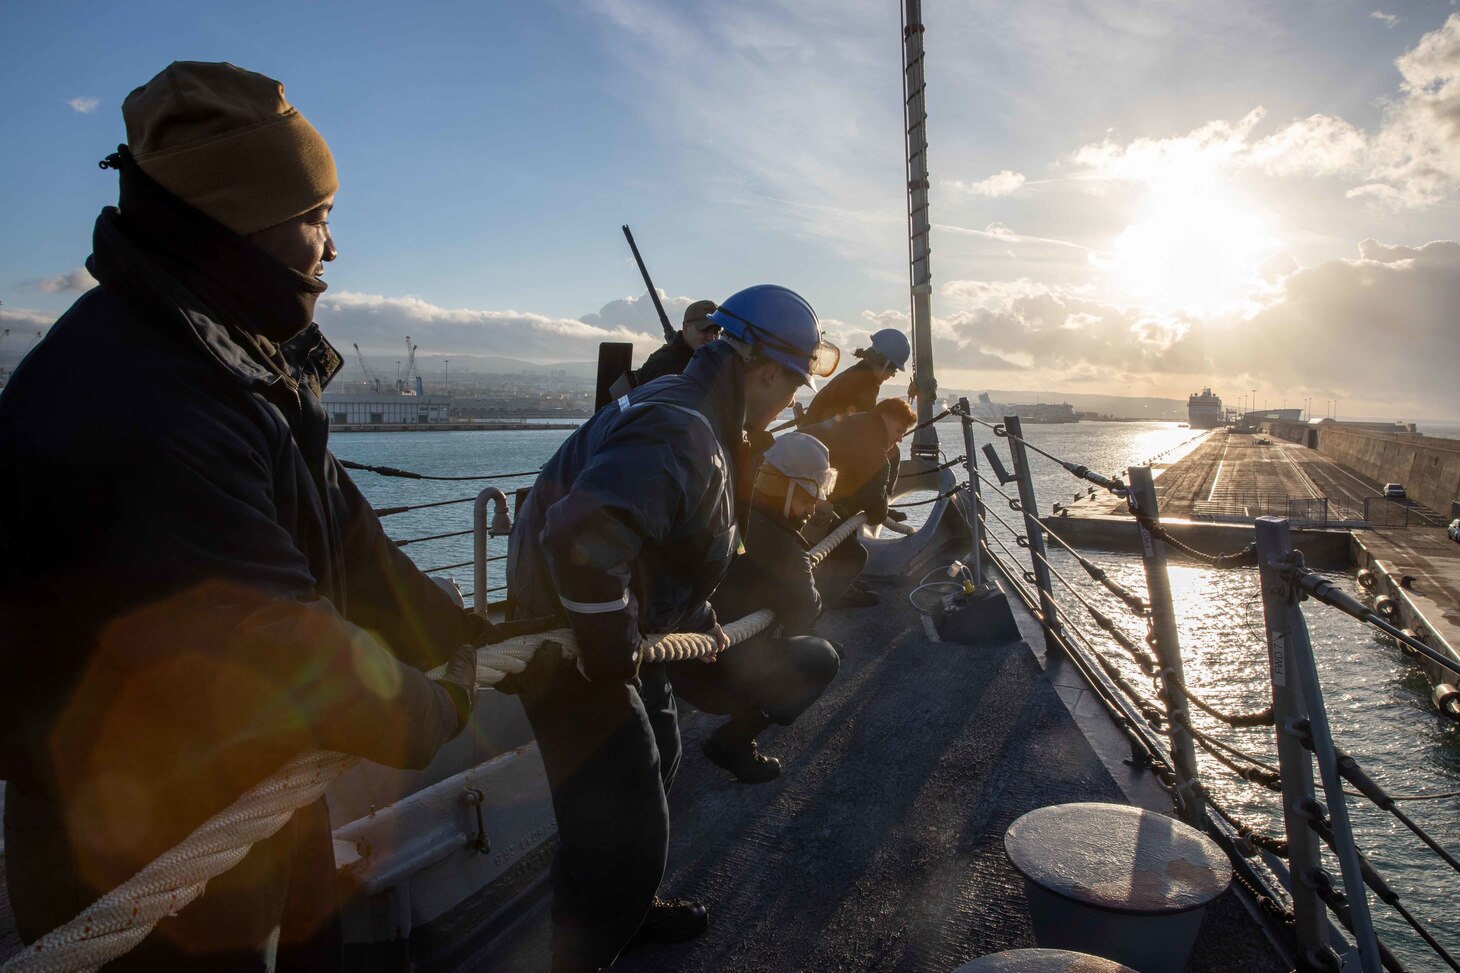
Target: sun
1195,248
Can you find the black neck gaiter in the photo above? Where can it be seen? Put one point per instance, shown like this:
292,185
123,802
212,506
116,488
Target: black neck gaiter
262,302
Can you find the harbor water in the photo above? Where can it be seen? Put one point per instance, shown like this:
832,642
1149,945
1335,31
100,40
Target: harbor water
1378,701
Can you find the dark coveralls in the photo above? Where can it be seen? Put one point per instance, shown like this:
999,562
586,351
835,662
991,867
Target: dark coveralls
671,359
865,477
629,528
192,592
778,673
854,390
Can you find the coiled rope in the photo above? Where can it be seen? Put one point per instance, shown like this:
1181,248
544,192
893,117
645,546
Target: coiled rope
123,917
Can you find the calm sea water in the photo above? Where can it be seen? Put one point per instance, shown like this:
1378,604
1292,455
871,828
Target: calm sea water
1377,701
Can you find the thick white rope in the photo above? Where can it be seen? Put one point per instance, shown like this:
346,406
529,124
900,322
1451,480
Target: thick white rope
124,916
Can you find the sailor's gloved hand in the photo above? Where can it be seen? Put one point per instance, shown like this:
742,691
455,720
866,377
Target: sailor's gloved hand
597,665
896,516
460,683
540,669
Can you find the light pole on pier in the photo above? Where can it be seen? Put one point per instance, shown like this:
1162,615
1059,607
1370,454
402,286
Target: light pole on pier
447,383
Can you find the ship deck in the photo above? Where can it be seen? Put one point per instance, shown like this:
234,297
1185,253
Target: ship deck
880,847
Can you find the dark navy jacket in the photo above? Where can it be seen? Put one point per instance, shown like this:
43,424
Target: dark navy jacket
631,524
668,360
192,590
773,572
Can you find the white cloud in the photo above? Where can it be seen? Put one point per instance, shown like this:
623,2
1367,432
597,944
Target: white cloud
1363,330
378,323
22,320
84,106
1215,145
71,282
1389,20
1412,160
1316,145
1002,183
638,314
1416,156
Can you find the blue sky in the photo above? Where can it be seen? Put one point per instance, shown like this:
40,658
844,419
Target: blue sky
1130,198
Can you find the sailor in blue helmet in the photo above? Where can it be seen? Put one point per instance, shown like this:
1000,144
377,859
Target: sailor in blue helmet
855,390
627,531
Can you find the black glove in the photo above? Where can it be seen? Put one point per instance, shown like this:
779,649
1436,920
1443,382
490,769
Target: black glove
460,683
539,671
896,516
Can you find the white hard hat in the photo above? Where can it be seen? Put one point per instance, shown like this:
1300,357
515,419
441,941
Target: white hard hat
799,460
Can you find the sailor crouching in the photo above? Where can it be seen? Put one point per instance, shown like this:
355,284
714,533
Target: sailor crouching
775,676
864,449
627,531
192,590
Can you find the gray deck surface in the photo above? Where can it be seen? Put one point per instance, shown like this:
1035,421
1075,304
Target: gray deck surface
880,847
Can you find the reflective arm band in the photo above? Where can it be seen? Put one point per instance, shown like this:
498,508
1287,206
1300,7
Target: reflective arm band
596,607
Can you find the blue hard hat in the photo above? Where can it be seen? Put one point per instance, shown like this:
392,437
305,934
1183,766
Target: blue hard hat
780,325
892,345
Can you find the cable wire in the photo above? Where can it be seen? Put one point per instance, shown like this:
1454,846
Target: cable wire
408,475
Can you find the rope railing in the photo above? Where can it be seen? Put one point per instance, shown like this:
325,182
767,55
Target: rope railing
1376,883
924,503
1245,558
392,511
1321,589
1077,470
123,917
408,475
406,542
447,567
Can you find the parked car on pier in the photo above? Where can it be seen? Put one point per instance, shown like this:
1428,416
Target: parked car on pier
1453,531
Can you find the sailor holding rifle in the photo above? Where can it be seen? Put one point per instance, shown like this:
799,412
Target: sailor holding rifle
629,528
192,590
698,328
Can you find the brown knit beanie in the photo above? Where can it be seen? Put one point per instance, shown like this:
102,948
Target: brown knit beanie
225,141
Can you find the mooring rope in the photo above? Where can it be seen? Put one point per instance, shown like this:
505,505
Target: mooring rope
123,917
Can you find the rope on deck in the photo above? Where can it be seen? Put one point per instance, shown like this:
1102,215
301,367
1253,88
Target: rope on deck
123,917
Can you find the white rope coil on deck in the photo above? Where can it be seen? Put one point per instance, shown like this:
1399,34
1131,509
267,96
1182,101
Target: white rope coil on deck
123,917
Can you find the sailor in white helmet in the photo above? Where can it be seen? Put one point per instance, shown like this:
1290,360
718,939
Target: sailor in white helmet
775,676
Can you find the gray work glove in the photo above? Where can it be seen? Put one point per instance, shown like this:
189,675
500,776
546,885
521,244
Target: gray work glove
460,683
534,678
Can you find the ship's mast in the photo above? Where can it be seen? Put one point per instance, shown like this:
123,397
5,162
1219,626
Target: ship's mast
915,117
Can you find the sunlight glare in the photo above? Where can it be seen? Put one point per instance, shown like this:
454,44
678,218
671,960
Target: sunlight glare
1196,249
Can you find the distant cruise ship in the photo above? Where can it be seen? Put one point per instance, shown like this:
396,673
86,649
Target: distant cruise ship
1204,410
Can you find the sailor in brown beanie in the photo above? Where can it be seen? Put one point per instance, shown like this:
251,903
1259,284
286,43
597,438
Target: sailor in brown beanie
192,590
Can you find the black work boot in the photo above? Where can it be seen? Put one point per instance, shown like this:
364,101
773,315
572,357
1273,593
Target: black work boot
670,921
738,753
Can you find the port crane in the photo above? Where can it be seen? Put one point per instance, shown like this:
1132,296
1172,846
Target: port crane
370,380
410,383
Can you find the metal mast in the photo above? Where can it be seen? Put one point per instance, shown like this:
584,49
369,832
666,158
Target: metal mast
915,117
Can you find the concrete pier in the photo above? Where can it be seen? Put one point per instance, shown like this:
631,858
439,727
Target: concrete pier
1210,497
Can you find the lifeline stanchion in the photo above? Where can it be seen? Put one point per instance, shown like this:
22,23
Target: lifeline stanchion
1167,645
975,494
123,917
1029,504
1299,715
